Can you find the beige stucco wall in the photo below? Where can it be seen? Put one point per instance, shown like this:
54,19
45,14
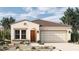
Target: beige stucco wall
64,30
29,26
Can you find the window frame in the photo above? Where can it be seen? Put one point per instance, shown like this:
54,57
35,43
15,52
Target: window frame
17,34
23,34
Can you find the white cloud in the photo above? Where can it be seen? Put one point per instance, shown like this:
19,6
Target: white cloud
27,9
58,14
55,18
52,18
44,8
38,11
7,15
31,13
56,10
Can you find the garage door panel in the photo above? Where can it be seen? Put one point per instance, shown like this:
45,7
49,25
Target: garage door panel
47,32
53,36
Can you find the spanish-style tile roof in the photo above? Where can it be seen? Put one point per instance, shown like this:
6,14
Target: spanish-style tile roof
49,23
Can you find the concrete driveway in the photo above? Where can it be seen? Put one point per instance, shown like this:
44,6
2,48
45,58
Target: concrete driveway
62,46
65,46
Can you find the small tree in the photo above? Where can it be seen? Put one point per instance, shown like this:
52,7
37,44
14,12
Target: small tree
71,17
7,34
6,21
2,34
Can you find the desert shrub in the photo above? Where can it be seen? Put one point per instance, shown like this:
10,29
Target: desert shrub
60,50
40,42
54,47
2,42
70,41
22,42
17,47
33,48
5,48
27,42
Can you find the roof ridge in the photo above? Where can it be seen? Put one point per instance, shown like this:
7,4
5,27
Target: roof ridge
20,21
49,22
46,20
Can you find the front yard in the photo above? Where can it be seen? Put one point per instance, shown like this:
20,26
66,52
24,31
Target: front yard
31,47
45,47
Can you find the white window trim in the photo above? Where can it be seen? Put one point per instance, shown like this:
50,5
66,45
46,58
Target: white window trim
14,34
20,32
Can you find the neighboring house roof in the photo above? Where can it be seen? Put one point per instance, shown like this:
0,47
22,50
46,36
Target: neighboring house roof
49,23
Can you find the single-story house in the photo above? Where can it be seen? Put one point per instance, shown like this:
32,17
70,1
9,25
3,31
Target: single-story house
46,31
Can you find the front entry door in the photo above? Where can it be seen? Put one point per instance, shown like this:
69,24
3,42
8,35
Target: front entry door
33,36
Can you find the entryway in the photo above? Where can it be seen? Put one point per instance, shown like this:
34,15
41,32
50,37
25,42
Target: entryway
33,35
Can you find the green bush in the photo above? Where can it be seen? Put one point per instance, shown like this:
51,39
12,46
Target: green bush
2,38
74,37
5,34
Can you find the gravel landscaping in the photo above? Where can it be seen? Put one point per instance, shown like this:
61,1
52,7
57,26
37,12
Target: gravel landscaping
38,47
31,47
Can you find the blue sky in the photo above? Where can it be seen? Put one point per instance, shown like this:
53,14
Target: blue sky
32,13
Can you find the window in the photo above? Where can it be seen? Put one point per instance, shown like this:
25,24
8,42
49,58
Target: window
23,34
17,34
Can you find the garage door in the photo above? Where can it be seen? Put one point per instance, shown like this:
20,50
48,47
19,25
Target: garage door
50,36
